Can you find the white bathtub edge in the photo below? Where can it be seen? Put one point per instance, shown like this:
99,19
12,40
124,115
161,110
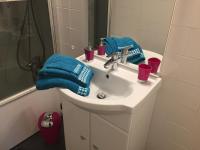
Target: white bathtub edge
17,96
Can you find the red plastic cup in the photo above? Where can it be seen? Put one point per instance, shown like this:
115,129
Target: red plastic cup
154,63
144,72
89,55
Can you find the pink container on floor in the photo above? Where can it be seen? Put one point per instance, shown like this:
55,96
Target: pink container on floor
144,72
50,130
154,63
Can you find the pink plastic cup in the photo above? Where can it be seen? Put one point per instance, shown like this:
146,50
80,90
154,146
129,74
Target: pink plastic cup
154,63
144,72
89,55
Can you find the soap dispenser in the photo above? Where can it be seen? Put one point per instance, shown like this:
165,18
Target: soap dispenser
101,47
89,53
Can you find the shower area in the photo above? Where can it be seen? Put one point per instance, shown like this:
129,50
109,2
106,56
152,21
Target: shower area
25,43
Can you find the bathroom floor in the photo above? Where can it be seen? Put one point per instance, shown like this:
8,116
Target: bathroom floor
35,142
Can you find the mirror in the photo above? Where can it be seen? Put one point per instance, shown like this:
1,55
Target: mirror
98,20
145,21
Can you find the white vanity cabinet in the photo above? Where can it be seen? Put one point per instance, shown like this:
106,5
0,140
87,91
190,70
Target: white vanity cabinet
76,127
121,120
89,130
105,136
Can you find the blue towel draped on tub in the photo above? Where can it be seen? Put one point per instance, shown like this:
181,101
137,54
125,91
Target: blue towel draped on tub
114,44
65,72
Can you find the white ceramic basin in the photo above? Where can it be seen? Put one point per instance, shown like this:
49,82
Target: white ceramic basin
113,86
122,89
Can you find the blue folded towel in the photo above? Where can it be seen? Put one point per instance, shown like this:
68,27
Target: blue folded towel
65,63
47,83
114,44
68,68
65,72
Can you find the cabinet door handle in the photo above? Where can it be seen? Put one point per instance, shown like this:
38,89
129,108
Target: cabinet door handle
95,147
83,138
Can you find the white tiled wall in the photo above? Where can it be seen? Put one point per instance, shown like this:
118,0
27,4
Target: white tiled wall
147,21
176,121
71,22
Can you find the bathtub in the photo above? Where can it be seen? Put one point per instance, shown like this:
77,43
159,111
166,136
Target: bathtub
19,114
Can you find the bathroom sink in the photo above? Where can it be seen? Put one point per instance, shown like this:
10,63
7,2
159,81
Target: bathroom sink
103,83
117,90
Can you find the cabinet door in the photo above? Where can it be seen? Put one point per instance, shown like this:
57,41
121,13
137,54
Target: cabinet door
76,127
105,136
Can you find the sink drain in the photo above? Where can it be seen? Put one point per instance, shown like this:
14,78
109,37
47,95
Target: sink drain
101,95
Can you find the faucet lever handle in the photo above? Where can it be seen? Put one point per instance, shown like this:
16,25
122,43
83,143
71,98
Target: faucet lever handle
125,50
115,55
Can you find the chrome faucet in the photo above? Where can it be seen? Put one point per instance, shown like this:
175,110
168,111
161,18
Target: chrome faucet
113,62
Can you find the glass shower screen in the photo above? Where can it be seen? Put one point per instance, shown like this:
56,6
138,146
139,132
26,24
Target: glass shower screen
25,43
